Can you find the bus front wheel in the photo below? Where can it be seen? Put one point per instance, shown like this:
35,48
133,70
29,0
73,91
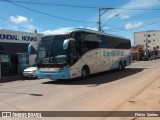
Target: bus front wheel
85,72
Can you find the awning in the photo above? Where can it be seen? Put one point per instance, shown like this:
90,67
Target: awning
15,48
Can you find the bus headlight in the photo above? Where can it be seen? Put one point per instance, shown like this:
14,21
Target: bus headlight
61,69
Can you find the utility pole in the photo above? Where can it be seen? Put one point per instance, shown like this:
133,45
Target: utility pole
99,21
147,44
99,17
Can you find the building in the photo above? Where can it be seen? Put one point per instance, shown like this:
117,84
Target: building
138,53
152,38
149,39
14,57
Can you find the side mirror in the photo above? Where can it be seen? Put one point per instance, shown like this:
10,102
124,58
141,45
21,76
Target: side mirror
30,47
66,43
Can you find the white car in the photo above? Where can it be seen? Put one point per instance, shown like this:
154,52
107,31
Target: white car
30,72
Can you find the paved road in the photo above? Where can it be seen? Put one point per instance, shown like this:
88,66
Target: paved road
106,91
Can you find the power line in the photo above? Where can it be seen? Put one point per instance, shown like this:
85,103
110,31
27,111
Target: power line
47,13
75,6
138,27
148,23
137,8
120,29
15,23
37,20
51,4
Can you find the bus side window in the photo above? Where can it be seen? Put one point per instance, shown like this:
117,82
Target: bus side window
104,42
89,45
91,41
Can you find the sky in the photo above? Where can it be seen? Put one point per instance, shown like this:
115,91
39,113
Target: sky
46,16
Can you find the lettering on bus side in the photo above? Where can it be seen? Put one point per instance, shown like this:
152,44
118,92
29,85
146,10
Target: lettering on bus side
113,53
106,53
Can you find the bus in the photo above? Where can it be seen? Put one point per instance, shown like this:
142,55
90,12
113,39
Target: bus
81,52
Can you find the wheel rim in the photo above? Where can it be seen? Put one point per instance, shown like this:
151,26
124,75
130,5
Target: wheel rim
120,66
84,73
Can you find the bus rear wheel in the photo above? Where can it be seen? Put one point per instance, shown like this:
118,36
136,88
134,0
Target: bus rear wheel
124,65
85,73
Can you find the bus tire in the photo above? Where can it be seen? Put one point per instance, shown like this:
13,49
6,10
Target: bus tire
124,65
120,66
85,72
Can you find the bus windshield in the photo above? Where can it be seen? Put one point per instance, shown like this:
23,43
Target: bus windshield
50,50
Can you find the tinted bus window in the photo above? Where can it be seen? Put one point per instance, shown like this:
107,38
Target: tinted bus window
91,41
113,42
104,42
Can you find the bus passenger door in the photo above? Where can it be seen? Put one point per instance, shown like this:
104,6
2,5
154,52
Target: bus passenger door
73,57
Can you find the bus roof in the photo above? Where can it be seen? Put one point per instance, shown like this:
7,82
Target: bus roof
69,30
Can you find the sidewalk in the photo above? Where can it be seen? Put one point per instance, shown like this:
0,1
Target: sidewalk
11,78
147,100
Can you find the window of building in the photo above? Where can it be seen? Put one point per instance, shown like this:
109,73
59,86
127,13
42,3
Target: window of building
149,41
144,40
154,40
153,34
149,35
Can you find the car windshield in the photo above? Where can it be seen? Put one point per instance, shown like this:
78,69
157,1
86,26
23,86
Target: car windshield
50,50
34,65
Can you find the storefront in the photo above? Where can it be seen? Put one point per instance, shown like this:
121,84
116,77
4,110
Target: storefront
14,57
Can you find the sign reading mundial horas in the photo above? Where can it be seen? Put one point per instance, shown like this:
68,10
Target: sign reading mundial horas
16,36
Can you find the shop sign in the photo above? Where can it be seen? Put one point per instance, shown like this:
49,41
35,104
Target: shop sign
15,37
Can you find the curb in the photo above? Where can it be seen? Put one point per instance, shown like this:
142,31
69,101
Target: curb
11,78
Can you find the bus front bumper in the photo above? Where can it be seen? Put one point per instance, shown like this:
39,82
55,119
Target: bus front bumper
65,74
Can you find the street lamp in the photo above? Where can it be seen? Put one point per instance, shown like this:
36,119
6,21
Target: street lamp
110,19
101,12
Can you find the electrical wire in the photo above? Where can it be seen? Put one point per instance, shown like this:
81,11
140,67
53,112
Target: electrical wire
138,27
51,4
148,23
74,6
42,3
46,13
15,23
37,20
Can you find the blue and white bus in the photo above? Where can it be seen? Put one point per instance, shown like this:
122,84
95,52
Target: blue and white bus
81,52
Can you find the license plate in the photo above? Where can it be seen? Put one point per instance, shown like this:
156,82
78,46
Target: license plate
49,76
25,74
